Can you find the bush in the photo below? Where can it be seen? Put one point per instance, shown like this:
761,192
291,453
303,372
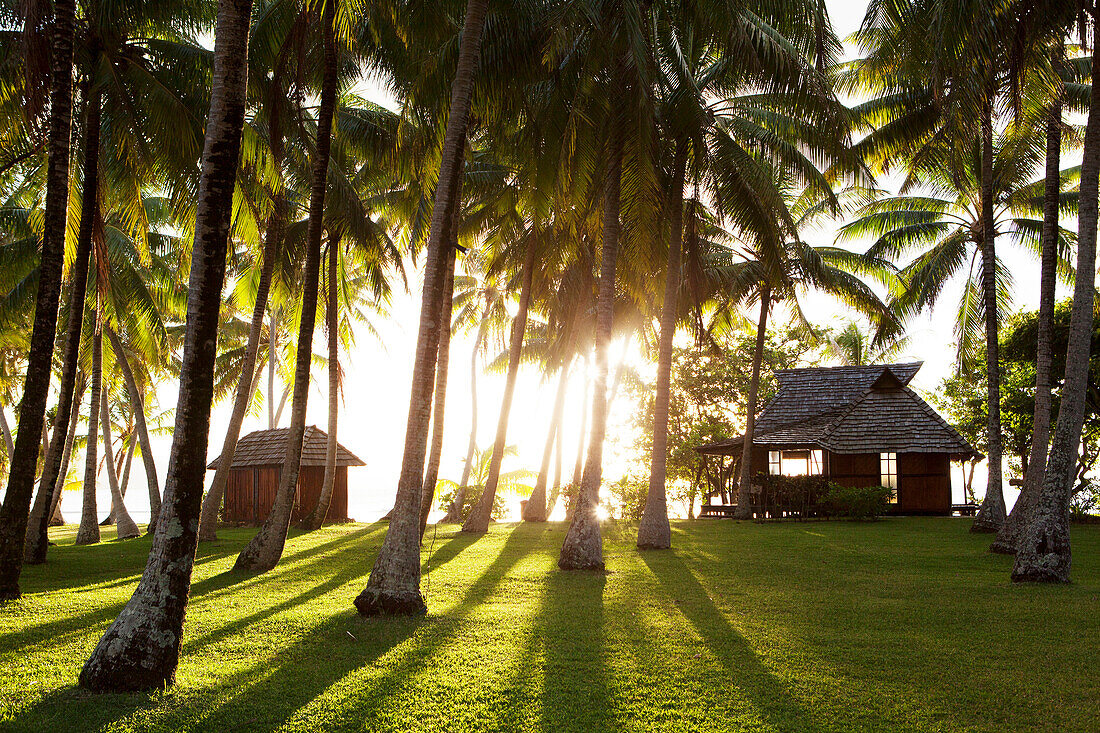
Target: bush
445,492
629,495
851,502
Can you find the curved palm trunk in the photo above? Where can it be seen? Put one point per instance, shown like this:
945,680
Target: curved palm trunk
88,532
583,545
536,509
317,517
266,547
1043,551
272,344
431,475
124,480
394,584
37,544
140,650
140,426
70,438
744,483
36,385
992,513
478,521
654,532
127,528
556,490
454,511
5,429
1009,533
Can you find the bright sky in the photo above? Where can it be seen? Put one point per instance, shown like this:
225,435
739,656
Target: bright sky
375,405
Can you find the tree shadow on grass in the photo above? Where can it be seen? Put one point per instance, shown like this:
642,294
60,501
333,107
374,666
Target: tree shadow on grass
769,695
356,704
449,550
570,629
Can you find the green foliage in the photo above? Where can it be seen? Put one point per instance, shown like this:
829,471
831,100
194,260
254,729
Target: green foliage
629,494
850,502
709,391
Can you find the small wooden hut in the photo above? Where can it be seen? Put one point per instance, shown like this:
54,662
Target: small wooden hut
856,426
258,464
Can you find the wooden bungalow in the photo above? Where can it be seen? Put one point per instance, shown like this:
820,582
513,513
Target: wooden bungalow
257,465
856,426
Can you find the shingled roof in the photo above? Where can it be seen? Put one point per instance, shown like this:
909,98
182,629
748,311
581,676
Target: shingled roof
268,448
865,409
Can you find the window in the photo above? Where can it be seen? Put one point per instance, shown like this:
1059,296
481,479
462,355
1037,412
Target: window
775,466
888,468
794,463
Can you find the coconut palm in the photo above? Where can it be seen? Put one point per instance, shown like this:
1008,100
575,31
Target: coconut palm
853,345
140,650
21,474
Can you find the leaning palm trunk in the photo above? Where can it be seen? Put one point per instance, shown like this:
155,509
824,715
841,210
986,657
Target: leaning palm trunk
454,511
1043,550
578,467
536,507
36,385
431,475
264,550
317,517
744,481
140,426
583,545
140,650
88,533
556,490
70,438
992,513
654,532
36,539
124,523
394,584
1009,533
442,367
246,387
478,521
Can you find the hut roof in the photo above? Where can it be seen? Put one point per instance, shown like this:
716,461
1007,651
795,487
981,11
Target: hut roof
268,448
866,409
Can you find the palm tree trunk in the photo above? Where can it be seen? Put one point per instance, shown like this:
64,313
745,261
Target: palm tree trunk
128,464
246,386
394,584
271,359
536,509
583,545
126,527
140,426
454,511
443,357
36,545
578,467
431,475
264,550
140,650
478,521
991,515
654,532
70,438
88,532
1017,520
1043,550
36,386
5,429
317,517
556,490
744,483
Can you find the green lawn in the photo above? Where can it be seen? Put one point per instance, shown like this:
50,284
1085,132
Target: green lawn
904,624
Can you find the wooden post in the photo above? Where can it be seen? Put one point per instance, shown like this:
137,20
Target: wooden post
255,494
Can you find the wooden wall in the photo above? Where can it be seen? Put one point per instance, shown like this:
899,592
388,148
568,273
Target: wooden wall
250,493
924,479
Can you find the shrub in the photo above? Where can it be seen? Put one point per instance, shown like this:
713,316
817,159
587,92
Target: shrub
629,495
851,502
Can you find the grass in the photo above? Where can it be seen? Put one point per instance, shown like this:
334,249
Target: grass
899,625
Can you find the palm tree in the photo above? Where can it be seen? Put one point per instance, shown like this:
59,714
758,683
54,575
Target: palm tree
88,532
21,474
140,650
264,550
394,584
1043,552
852,345
124,524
